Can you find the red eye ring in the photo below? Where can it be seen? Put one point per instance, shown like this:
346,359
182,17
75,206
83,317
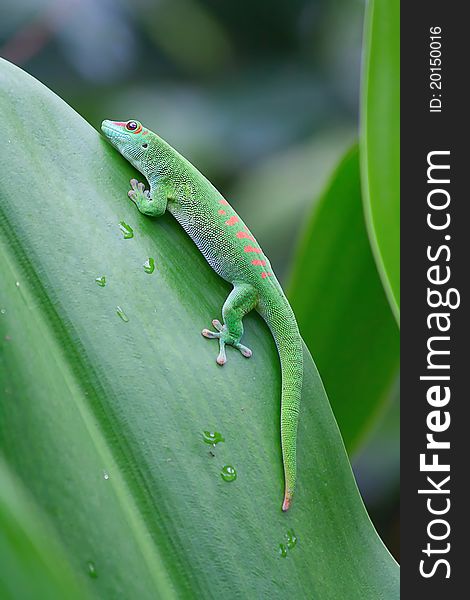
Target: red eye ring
133,126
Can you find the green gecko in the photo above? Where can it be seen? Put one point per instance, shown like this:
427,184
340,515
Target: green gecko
231,250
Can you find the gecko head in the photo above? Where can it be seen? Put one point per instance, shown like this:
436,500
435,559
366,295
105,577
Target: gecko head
131,139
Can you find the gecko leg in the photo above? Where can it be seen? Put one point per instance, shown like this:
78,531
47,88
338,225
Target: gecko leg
150,202
241,300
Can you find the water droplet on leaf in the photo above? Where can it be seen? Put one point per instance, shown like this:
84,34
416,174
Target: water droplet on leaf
282,550
228,473
101,281
149,265
291,539
122,314
126,229
92,569
105,475
212,437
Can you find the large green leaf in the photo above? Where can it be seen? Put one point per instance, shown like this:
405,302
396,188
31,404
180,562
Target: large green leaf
102,418
380,140
343,314
32,562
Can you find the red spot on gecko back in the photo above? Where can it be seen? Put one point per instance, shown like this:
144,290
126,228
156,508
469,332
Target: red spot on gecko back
258,263
145,132
264,274
252,249
223,202
232,220
221,212
244,234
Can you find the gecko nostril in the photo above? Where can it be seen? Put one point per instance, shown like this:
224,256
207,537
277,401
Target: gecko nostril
144,145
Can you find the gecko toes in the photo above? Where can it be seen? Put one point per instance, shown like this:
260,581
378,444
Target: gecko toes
209,334
217,324
247,353
139,195
225,338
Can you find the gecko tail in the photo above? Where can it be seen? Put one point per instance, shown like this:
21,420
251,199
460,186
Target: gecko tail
286,334
287,501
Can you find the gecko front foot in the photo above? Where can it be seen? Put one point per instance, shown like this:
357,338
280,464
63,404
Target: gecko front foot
225,339
138,194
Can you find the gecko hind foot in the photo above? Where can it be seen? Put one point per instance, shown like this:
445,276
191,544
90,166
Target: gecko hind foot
225,339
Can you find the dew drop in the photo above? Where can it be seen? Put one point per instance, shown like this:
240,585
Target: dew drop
149,265
212,437
122,314
282,550
17,284
291,539
228,473
127,230
105,475
3,311
92,569
101,281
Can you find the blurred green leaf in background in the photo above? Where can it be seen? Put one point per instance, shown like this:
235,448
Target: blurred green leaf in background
341,307
380,140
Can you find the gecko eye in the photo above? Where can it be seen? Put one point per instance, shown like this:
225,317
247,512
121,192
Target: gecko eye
131,125
144,145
